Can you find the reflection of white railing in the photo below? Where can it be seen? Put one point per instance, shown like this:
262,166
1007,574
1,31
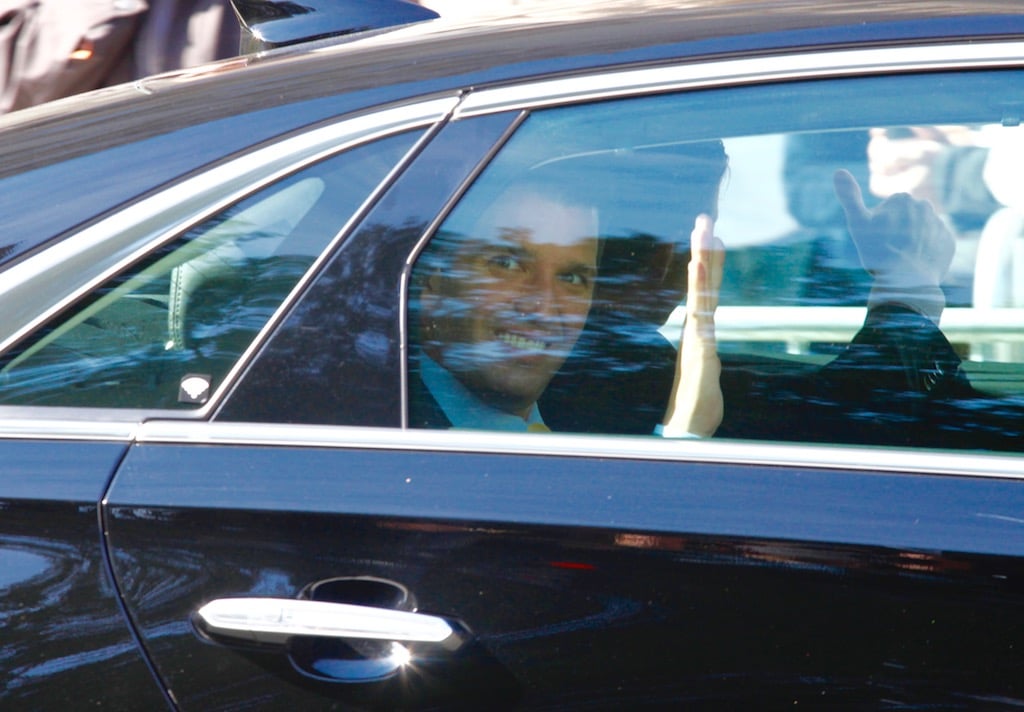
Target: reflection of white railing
797,327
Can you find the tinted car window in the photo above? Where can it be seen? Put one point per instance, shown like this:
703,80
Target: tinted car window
165,333
552,295
336,357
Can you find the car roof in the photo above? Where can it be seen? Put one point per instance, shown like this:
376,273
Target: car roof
539,37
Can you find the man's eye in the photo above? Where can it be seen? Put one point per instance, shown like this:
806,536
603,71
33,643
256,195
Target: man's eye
576,279
505,262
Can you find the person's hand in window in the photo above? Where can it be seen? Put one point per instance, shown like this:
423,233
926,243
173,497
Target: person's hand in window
902,243
695,407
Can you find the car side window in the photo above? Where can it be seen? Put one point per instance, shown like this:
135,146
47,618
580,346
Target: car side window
165,333
870,293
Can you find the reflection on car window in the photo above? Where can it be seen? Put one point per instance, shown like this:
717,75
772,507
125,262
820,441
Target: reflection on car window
873,290
165,333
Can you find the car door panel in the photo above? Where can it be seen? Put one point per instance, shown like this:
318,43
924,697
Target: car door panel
580,572
583,581
66,642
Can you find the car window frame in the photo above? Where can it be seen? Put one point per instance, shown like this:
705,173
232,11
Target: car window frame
83,261
604,83
687,76
362,359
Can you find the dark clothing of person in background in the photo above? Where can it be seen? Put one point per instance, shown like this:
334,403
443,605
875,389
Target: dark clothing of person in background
50,49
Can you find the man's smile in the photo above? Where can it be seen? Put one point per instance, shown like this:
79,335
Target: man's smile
523,343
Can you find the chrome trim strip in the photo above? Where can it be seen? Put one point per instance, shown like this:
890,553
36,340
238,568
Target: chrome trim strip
703,73
84,260
56,428
720,452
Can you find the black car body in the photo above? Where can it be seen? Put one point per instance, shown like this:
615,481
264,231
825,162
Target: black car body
252,439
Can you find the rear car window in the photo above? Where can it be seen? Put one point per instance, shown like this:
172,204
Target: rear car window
165,333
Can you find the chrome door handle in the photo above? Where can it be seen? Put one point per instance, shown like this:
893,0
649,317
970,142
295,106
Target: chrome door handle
275,620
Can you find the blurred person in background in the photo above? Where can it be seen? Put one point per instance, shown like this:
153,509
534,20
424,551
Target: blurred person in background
54,48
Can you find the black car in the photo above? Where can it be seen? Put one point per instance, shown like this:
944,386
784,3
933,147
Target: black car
228,480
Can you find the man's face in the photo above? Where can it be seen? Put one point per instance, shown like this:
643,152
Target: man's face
506,309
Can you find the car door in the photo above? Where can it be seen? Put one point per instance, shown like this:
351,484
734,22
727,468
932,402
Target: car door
66,641
124,319
848,537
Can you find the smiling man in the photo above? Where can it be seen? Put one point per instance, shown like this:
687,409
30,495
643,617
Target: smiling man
500,309
500,300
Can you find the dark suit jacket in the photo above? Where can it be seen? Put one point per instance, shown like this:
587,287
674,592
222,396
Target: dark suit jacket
897,383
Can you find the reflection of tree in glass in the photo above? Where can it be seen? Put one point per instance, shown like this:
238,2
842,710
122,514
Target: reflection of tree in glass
336,358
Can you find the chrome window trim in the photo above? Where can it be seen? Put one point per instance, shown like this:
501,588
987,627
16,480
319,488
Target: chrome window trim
702,73
59,428
717,452
710,451
82,261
